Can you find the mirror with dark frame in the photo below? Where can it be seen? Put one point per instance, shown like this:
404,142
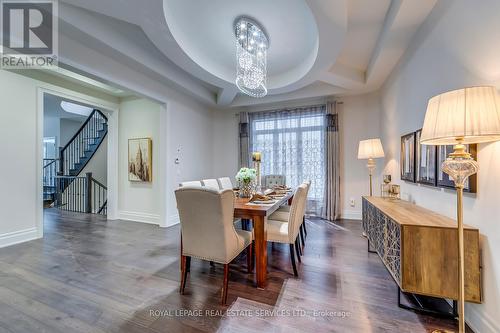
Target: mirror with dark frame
426,159
407,160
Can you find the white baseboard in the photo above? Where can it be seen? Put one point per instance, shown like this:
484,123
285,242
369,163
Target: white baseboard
173,220
139,217
480,322
17,237
351,214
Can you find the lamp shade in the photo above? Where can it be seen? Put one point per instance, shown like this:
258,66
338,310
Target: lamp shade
468,115
371,148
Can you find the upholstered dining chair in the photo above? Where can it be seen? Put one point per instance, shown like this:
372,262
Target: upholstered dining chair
225,183
287,231
207,230
191,183
213,183
273,180
283,213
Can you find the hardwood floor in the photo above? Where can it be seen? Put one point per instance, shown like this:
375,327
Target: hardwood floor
92,275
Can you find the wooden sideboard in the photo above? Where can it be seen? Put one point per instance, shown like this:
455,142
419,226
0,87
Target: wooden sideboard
419,248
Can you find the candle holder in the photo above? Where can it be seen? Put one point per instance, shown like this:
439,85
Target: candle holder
256,158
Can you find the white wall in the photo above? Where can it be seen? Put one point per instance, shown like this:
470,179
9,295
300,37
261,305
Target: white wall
457,46
226,143
359,120
139,201
68,128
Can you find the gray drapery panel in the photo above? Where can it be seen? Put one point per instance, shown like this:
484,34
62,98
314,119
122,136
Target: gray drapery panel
244,160
332,186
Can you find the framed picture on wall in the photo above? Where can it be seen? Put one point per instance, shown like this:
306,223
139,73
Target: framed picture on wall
426,159
407,163
443,180
140,160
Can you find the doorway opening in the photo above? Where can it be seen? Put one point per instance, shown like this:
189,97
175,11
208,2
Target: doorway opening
75,145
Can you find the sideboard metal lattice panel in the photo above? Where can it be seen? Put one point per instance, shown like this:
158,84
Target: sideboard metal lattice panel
385,237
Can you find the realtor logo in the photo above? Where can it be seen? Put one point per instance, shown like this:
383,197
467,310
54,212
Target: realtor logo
29,33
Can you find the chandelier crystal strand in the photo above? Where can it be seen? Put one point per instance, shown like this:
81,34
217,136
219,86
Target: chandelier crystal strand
251,57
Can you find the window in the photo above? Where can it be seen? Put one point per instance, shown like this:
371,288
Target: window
292,143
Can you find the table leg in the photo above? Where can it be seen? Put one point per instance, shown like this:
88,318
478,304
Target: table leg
260,233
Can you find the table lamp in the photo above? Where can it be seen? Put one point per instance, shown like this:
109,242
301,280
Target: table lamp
459,117
370,149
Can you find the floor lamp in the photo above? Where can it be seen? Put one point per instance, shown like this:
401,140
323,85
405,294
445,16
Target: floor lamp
370,149
460,117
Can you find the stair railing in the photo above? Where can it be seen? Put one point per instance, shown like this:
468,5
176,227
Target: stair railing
82,194
50,169
73,156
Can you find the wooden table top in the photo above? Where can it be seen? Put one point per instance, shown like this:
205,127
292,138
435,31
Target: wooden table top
407,213
241,209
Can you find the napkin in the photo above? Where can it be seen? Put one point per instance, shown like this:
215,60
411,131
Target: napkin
260,197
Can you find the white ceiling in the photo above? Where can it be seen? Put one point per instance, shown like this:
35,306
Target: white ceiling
318,47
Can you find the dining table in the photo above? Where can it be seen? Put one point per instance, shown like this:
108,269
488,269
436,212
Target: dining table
259,213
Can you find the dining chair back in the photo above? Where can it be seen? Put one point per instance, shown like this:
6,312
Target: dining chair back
207,230
190,183
207,227
272,180
297,210
225,183
212,183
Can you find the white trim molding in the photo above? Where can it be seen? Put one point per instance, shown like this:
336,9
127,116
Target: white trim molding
139,217
479,321
351,214
173,220
19,236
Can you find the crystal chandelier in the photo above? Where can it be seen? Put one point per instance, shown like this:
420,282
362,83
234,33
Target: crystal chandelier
251,57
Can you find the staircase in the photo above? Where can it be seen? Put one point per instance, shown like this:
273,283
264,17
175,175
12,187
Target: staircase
79,150
62,185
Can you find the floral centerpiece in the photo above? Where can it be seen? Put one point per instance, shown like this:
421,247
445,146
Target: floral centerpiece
246,180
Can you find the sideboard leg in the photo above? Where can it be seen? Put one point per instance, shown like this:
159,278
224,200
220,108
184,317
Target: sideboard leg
432,306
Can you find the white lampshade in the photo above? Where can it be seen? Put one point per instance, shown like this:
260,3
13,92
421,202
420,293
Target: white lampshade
371,148
469,115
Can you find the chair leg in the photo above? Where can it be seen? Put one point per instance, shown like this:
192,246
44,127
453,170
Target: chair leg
183,273
212,264
292,257
302,235
244,224
297,248
304,224
188,264
224,285
249,258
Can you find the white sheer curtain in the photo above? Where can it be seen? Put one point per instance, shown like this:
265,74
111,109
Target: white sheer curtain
292,143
